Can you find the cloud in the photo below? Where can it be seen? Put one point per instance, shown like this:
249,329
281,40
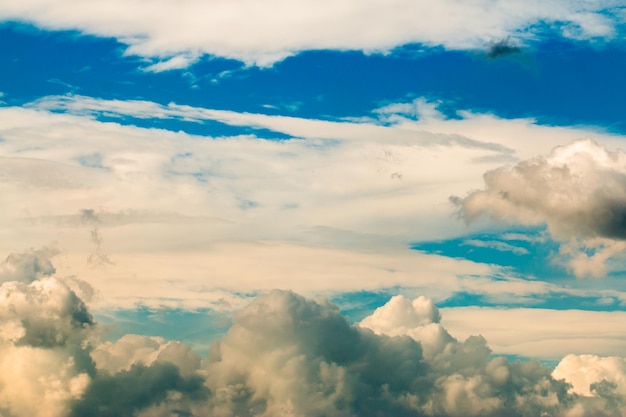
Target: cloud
583,371
283,355
540,333
578,191
602,379
131,350
127,392
98,257
28,266
44,333
502,48
52,363
340,196
172,34
352,193
497,245
286,354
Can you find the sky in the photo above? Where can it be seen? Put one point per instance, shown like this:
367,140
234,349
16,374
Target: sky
312,208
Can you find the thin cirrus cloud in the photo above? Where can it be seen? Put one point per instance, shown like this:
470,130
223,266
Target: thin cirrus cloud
173,34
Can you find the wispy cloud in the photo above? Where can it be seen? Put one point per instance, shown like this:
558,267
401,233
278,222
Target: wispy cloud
173,34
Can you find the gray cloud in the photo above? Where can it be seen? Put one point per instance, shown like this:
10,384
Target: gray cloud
27,266
578,191
129,391
91,218
501,48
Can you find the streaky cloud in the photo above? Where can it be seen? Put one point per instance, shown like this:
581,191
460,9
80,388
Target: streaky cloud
172,34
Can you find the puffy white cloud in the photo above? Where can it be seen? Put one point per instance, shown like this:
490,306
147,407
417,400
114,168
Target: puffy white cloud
286,355
263,32
583,371
44,331
50,368
578,191
418,319
132,349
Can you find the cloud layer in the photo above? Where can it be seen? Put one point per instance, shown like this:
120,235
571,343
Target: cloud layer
284,355
175,34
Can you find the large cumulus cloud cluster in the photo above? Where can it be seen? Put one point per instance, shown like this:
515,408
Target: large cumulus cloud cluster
578,192
284,355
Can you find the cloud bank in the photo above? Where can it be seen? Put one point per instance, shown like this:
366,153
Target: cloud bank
284,355
174,34
578,192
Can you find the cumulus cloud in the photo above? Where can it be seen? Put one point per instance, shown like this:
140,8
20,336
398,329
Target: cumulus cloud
284,355
583,371
44,361
602,380
578,192
52,363
27,266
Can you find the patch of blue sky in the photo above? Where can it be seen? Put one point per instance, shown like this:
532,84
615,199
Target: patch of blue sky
529,255
359,304
205,128
537,81
525,251
198,328
549,363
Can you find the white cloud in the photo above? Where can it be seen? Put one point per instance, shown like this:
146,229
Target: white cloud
582,371
283,355
578,191
131,350
195,210
540,333
198,278
265,32
44,331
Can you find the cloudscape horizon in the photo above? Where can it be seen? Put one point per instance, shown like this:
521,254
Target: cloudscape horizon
302,208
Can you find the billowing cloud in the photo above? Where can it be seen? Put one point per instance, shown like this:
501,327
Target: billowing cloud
601,380
583,371
286,354
27,266
175,34
44,330
283,355
578,191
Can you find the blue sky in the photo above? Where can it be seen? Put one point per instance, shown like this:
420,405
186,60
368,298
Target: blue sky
167,167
